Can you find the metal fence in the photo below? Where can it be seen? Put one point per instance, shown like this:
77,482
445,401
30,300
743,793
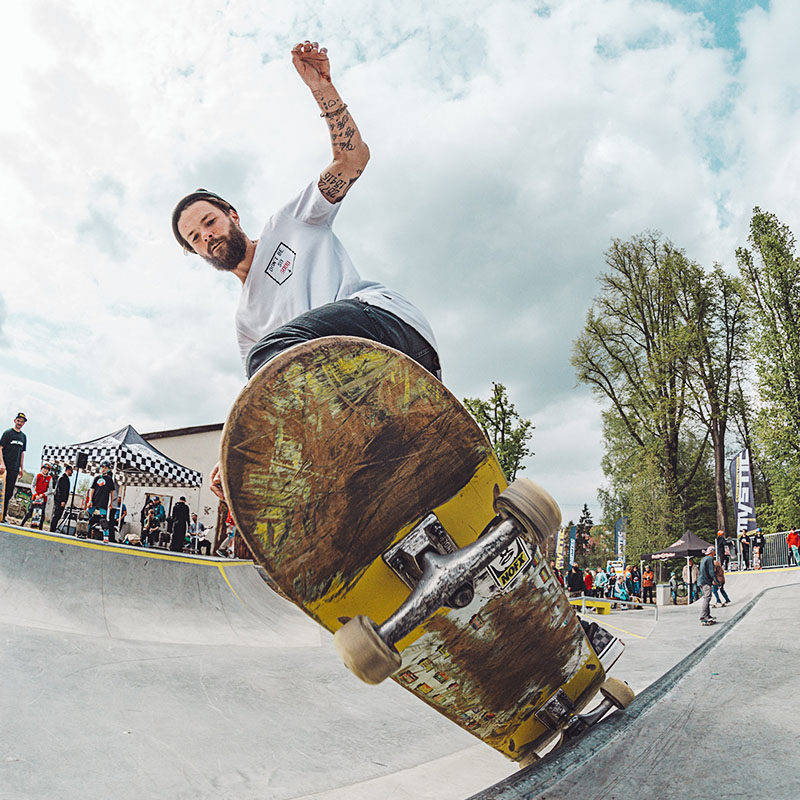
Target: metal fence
776,553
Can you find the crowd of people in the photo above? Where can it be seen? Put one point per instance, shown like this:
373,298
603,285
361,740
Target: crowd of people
104,516
627,584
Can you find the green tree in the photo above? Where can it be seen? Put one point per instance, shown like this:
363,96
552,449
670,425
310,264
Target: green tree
584,528
508,432
771,274
712,308
634,348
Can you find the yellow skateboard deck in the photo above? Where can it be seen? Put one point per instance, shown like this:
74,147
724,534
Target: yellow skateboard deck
332,454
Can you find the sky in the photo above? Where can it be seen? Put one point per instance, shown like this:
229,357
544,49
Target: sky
511,142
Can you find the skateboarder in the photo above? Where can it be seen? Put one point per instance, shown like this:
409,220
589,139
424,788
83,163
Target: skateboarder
298,282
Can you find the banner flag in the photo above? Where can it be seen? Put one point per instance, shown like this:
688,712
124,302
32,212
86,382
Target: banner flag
573,532
744,502
620,536
561,542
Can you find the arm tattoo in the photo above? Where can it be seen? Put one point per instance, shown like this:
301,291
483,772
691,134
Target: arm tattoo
334,186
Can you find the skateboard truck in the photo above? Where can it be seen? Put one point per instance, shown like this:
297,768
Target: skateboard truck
438,579
405,558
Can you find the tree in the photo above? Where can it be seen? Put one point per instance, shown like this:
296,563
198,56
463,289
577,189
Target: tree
506,430
771,274
633,351
712,308
584,527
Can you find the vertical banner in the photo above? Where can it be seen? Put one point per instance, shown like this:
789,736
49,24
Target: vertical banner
744,502
561,541
573,532
620,536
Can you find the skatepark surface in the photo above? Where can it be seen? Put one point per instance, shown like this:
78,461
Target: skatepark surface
132,673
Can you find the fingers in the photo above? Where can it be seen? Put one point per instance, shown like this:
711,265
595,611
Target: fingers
309,48
215,480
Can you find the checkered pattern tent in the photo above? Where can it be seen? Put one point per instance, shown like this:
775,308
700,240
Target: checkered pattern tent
133,461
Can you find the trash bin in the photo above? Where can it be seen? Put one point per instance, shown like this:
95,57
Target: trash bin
662,595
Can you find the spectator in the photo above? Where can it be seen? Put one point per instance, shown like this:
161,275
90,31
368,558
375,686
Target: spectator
629,586
600,582
706,581
648,585
588,582
101,498
719,546
180,524
41,486
621,589
13,443
637,582
673,588
744,545
575,584
61,497
200,540
718,587
117,521
758,543
151,529
793,543
159,515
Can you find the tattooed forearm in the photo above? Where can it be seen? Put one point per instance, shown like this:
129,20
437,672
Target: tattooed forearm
334,186
350,153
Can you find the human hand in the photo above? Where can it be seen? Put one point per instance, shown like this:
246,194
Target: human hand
2,469
312,64
216,482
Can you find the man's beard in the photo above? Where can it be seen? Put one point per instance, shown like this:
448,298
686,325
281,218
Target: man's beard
229,251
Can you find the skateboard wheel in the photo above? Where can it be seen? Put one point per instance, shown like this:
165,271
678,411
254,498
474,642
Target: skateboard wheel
363,651
531,506
618,692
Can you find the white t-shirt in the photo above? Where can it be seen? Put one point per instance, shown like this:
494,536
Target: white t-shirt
300,264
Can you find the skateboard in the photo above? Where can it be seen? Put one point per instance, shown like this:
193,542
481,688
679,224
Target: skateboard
375,502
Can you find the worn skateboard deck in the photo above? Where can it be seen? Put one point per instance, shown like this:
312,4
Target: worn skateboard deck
334,451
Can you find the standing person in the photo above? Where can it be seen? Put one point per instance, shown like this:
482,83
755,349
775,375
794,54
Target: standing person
648,585
588,582
758,542
13,443
719,546
575,583
159,516
180,524
673,587
298,282
718,587
61,497
600,582
706,581
744,544
793,543
101,498
41,486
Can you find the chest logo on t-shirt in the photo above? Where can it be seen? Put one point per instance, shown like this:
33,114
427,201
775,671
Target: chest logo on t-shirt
281,266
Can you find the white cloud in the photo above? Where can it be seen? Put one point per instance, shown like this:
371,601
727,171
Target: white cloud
511,142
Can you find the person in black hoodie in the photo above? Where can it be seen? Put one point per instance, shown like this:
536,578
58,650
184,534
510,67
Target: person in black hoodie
61,496
180,524
575,583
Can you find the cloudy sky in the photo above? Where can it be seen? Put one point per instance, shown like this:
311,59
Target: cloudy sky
511,141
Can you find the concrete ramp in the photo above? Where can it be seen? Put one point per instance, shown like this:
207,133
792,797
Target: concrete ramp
130,674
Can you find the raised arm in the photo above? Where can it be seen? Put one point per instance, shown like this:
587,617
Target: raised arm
350,152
